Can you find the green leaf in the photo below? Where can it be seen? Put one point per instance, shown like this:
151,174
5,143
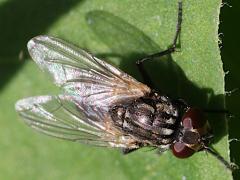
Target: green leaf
121,32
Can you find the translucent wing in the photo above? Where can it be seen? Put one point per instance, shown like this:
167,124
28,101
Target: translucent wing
62,117
83,75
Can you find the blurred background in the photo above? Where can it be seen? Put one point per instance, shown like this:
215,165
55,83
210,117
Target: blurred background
25,154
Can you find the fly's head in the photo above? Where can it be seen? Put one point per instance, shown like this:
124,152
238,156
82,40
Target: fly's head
193,134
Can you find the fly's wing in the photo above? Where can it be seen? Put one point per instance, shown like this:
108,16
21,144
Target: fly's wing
82,75
63,117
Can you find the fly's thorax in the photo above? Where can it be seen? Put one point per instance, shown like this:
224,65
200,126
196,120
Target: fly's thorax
141,113
193,134
152,119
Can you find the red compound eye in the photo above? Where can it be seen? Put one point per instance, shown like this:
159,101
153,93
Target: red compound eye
193,119
180,150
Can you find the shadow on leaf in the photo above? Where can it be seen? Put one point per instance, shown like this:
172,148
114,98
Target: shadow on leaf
20,21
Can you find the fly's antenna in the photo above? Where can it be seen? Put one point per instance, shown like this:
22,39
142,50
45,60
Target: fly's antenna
228,165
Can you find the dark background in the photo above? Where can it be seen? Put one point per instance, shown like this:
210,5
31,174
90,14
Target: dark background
230,27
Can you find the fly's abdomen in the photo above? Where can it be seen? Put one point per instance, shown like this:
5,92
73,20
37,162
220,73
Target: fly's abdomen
153,121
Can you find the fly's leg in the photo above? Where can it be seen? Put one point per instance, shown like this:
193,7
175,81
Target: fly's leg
229,165
128,150
170,50
219,111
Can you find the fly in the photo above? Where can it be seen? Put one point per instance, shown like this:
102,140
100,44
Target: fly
103,106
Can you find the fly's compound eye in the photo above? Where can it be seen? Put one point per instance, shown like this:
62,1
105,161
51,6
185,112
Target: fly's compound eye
194,126
180,150
194,119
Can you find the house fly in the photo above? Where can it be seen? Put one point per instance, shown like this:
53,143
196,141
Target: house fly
103,106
